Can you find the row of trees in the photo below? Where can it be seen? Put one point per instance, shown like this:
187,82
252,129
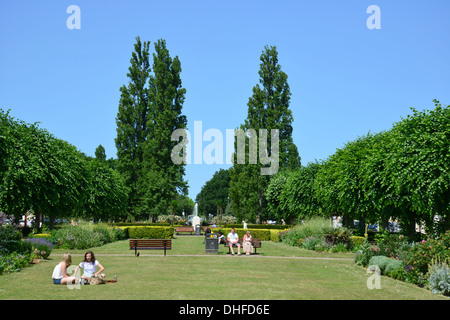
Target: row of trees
49,176
402,174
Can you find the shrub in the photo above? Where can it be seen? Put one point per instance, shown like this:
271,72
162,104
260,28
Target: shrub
363,255
77,237
357,241
119,234
394,266
422,254
10,239
393,245
338,236
438,277
275,235
311,242
40,246
340,247
13,262
104,235
314,227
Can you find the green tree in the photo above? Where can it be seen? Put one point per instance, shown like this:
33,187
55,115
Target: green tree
214,192
41,172
131,120
420,168
298,199
107,194
161,179
268,108
100,153
338,182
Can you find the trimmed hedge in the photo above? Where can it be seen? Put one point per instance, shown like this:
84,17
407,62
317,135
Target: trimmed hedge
357,241
42,235
147,232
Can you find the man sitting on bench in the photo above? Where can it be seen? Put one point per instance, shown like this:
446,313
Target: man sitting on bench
233,241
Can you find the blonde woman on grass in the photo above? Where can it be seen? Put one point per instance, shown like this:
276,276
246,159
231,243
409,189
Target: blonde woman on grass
60,275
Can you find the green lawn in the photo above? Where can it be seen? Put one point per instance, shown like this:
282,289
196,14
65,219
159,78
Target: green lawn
278,272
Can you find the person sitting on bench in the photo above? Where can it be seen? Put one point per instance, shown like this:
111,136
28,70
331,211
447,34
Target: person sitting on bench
233,241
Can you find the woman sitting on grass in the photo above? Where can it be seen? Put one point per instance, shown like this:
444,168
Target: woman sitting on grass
60,275
89,265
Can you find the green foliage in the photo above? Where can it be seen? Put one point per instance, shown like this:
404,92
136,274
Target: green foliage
13,262
291,194
214,193
47,174
422,254
161,179
311,242
42,235
365,253
268,108
171,219
340,235
10,239
387,265
438,277
315,227
131,122
393,245
40,247
86,235
357,241
150,232
107,195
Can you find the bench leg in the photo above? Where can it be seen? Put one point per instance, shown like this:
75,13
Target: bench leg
135,248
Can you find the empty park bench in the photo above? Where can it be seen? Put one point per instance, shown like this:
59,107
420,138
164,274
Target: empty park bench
256,243
184,229
150,244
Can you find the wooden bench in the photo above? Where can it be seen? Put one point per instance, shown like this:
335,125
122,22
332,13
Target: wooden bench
256,243
150,244
184,229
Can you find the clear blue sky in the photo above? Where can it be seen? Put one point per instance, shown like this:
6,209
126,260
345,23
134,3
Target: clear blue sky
345,79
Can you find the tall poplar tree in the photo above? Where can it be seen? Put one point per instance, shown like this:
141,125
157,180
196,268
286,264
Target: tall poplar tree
161,179
268,108
132,120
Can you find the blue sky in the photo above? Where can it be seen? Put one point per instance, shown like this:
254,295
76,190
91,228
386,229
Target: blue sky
345,79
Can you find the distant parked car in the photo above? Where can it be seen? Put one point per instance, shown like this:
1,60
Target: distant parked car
271,222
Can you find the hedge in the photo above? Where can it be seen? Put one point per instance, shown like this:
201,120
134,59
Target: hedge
147,232
357,241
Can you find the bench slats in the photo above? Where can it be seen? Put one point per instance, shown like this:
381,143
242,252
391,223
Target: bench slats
184,229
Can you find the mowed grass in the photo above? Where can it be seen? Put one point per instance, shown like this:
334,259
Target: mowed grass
187,273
